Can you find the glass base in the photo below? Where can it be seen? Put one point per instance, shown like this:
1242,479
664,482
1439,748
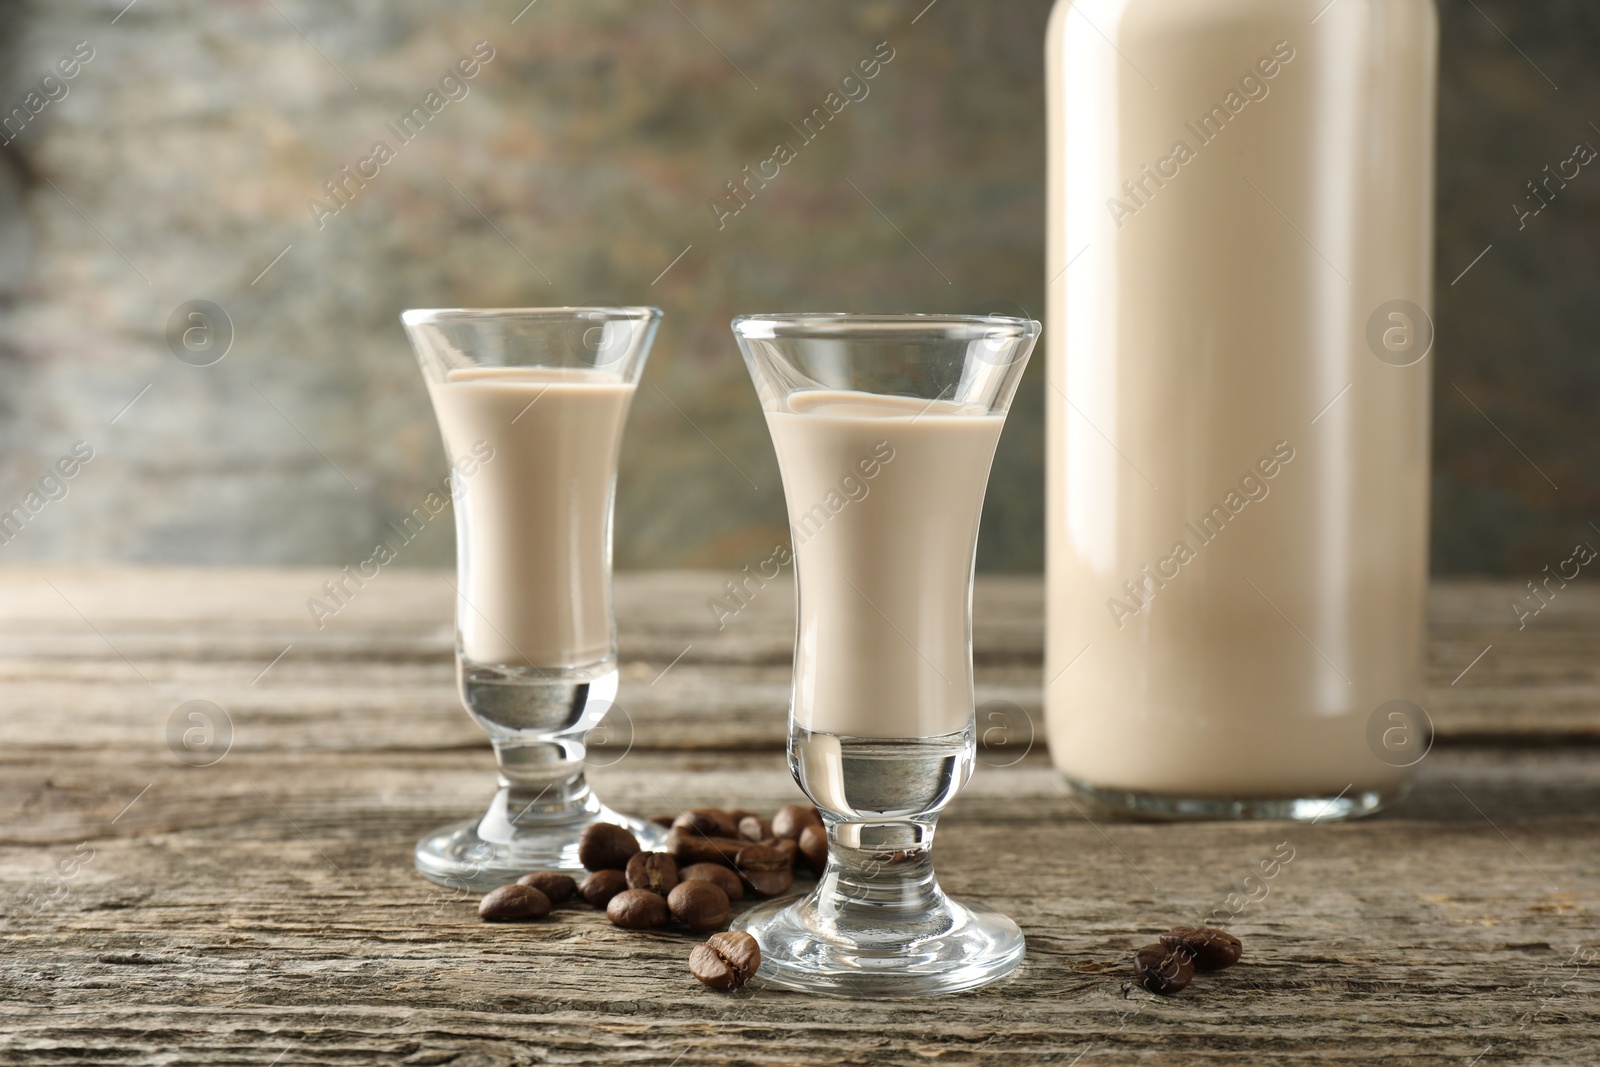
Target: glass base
1351,804
954,947
479,854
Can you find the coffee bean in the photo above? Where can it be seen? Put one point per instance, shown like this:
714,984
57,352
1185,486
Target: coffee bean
712,970
662,820
605,846
726,961
794,818
1163,970
1211,949
760,857
601,886
655,871
687,847
769,883
715,873
707,822
513,903
764,869
814,848
787,848
637,909
741,951
553,884
752,828
698,905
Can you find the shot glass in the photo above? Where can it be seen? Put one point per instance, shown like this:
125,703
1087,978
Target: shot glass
531,404
885,428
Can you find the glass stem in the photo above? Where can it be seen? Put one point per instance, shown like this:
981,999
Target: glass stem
543,781
885,865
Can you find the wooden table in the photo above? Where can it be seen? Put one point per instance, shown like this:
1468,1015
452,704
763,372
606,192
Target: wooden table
263,909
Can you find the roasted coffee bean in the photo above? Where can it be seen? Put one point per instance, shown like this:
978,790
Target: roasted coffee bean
655,871
715,873
687,847
698,905
662,820
513,903
769,883
712,970
760,857
726,961
739,950
1211,949
764,869
814,848
637,909
605,846
601,886
1163,970
752,828
707,822
794,818
553,884
789,849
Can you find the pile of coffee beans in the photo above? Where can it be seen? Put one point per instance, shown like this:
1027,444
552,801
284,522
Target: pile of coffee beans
1168,966
713,858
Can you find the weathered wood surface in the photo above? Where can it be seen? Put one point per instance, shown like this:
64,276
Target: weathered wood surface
262,909
377,673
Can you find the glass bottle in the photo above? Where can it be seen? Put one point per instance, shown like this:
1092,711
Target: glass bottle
1239,284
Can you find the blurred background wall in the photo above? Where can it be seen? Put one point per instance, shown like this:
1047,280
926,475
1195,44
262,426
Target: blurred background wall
180,160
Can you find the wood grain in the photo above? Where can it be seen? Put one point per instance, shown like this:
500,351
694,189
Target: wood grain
262,909
91,640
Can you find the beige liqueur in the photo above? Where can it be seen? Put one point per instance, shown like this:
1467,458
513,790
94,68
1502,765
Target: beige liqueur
1217,246
533,525
884,496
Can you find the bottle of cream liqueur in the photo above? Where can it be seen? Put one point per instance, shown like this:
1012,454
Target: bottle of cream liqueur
1239,298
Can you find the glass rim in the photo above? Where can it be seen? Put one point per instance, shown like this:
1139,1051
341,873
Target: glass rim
620,313
836,324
